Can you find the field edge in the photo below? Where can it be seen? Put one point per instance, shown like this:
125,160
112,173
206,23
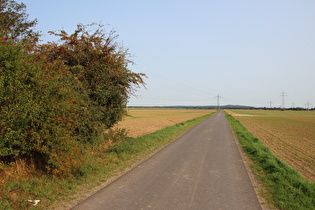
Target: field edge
282,186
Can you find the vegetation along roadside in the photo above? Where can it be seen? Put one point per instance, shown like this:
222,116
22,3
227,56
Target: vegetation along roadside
286,188
100,164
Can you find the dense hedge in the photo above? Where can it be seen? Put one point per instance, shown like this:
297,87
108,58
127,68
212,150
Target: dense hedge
38,113
55,98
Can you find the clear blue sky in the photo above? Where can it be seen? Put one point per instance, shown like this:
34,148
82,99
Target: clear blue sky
247,51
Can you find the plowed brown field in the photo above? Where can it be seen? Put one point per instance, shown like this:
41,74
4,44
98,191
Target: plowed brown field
290,135
144,121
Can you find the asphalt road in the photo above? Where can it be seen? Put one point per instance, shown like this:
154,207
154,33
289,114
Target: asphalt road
203,169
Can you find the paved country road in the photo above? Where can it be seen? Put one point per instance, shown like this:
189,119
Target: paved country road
203,169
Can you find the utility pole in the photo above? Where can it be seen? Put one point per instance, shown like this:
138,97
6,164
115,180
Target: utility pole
283,94
270,104
218,101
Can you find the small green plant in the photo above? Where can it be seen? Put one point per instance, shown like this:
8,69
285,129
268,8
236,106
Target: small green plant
5,204
115,135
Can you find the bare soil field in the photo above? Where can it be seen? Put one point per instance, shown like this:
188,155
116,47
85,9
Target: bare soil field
290,135
139,122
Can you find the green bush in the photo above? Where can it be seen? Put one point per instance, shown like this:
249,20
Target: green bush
102,70
38,112
57,98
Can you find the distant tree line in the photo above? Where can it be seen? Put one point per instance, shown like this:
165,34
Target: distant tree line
57,97
224,107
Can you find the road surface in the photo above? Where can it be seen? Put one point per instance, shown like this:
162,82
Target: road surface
203,169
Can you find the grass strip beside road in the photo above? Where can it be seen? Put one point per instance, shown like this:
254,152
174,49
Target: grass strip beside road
286,188
101,163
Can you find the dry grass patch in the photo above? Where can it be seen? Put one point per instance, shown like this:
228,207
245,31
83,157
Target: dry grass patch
140,122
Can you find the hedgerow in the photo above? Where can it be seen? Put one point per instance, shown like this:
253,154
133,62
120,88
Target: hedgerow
57,98
39,113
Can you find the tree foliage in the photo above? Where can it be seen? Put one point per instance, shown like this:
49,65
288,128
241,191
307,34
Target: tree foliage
14,23
56,98
101,68
38,114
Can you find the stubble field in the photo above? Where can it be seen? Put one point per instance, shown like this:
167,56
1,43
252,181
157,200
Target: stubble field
140,122
290,135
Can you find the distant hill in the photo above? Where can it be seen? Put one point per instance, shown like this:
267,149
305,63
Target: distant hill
197,107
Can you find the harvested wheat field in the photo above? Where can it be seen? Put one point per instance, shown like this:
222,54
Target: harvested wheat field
290,135
139,122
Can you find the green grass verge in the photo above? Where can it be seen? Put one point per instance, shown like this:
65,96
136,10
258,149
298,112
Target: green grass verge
287,189
101,163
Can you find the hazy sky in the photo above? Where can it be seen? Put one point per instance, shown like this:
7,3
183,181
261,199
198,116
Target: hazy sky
248,51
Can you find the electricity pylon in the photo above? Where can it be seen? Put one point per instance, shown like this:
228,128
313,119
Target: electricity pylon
308,105
218,101
283,94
